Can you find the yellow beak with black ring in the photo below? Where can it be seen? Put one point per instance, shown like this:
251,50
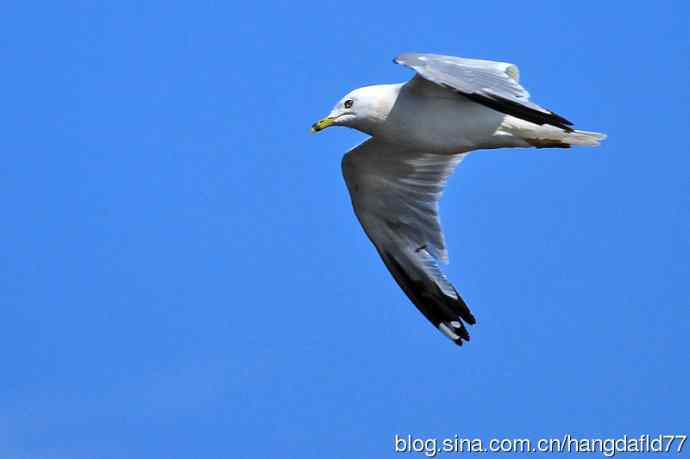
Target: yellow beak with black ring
322,124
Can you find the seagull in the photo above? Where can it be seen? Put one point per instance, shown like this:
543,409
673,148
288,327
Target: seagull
419,132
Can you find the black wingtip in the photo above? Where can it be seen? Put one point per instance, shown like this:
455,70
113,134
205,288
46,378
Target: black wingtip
517,110
463,309
464,334
447,313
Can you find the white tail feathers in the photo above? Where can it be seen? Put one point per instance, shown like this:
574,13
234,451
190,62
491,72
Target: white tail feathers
547,136
583,138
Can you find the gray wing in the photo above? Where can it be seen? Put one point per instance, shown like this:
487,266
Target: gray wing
395,195
494,84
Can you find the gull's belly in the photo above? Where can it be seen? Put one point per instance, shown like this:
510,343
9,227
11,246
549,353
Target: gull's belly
442,125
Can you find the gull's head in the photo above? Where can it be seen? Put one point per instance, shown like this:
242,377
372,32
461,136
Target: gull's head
358,109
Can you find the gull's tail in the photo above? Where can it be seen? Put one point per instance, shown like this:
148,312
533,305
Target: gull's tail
557,138
546,136
583,138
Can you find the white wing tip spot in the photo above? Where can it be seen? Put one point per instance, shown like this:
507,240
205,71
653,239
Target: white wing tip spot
447,331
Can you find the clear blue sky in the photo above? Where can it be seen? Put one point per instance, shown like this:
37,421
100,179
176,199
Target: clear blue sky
181,273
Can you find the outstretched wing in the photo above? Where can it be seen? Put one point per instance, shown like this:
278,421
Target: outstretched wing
494,84
395,194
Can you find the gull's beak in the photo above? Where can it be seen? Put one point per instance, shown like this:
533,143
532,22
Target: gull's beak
322,124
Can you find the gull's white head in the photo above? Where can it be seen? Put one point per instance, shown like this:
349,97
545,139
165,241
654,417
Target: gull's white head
359,109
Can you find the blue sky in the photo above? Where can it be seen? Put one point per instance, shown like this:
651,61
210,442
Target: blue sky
181,273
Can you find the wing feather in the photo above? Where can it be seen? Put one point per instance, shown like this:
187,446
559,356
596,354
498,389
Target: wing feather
493,84
395,195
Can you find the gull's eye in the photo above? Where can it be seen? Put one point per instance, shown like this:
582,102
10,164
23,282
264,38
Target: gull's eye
348,103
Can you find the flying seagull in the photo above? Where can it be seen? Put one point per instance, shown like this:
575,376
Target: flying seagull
420,131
